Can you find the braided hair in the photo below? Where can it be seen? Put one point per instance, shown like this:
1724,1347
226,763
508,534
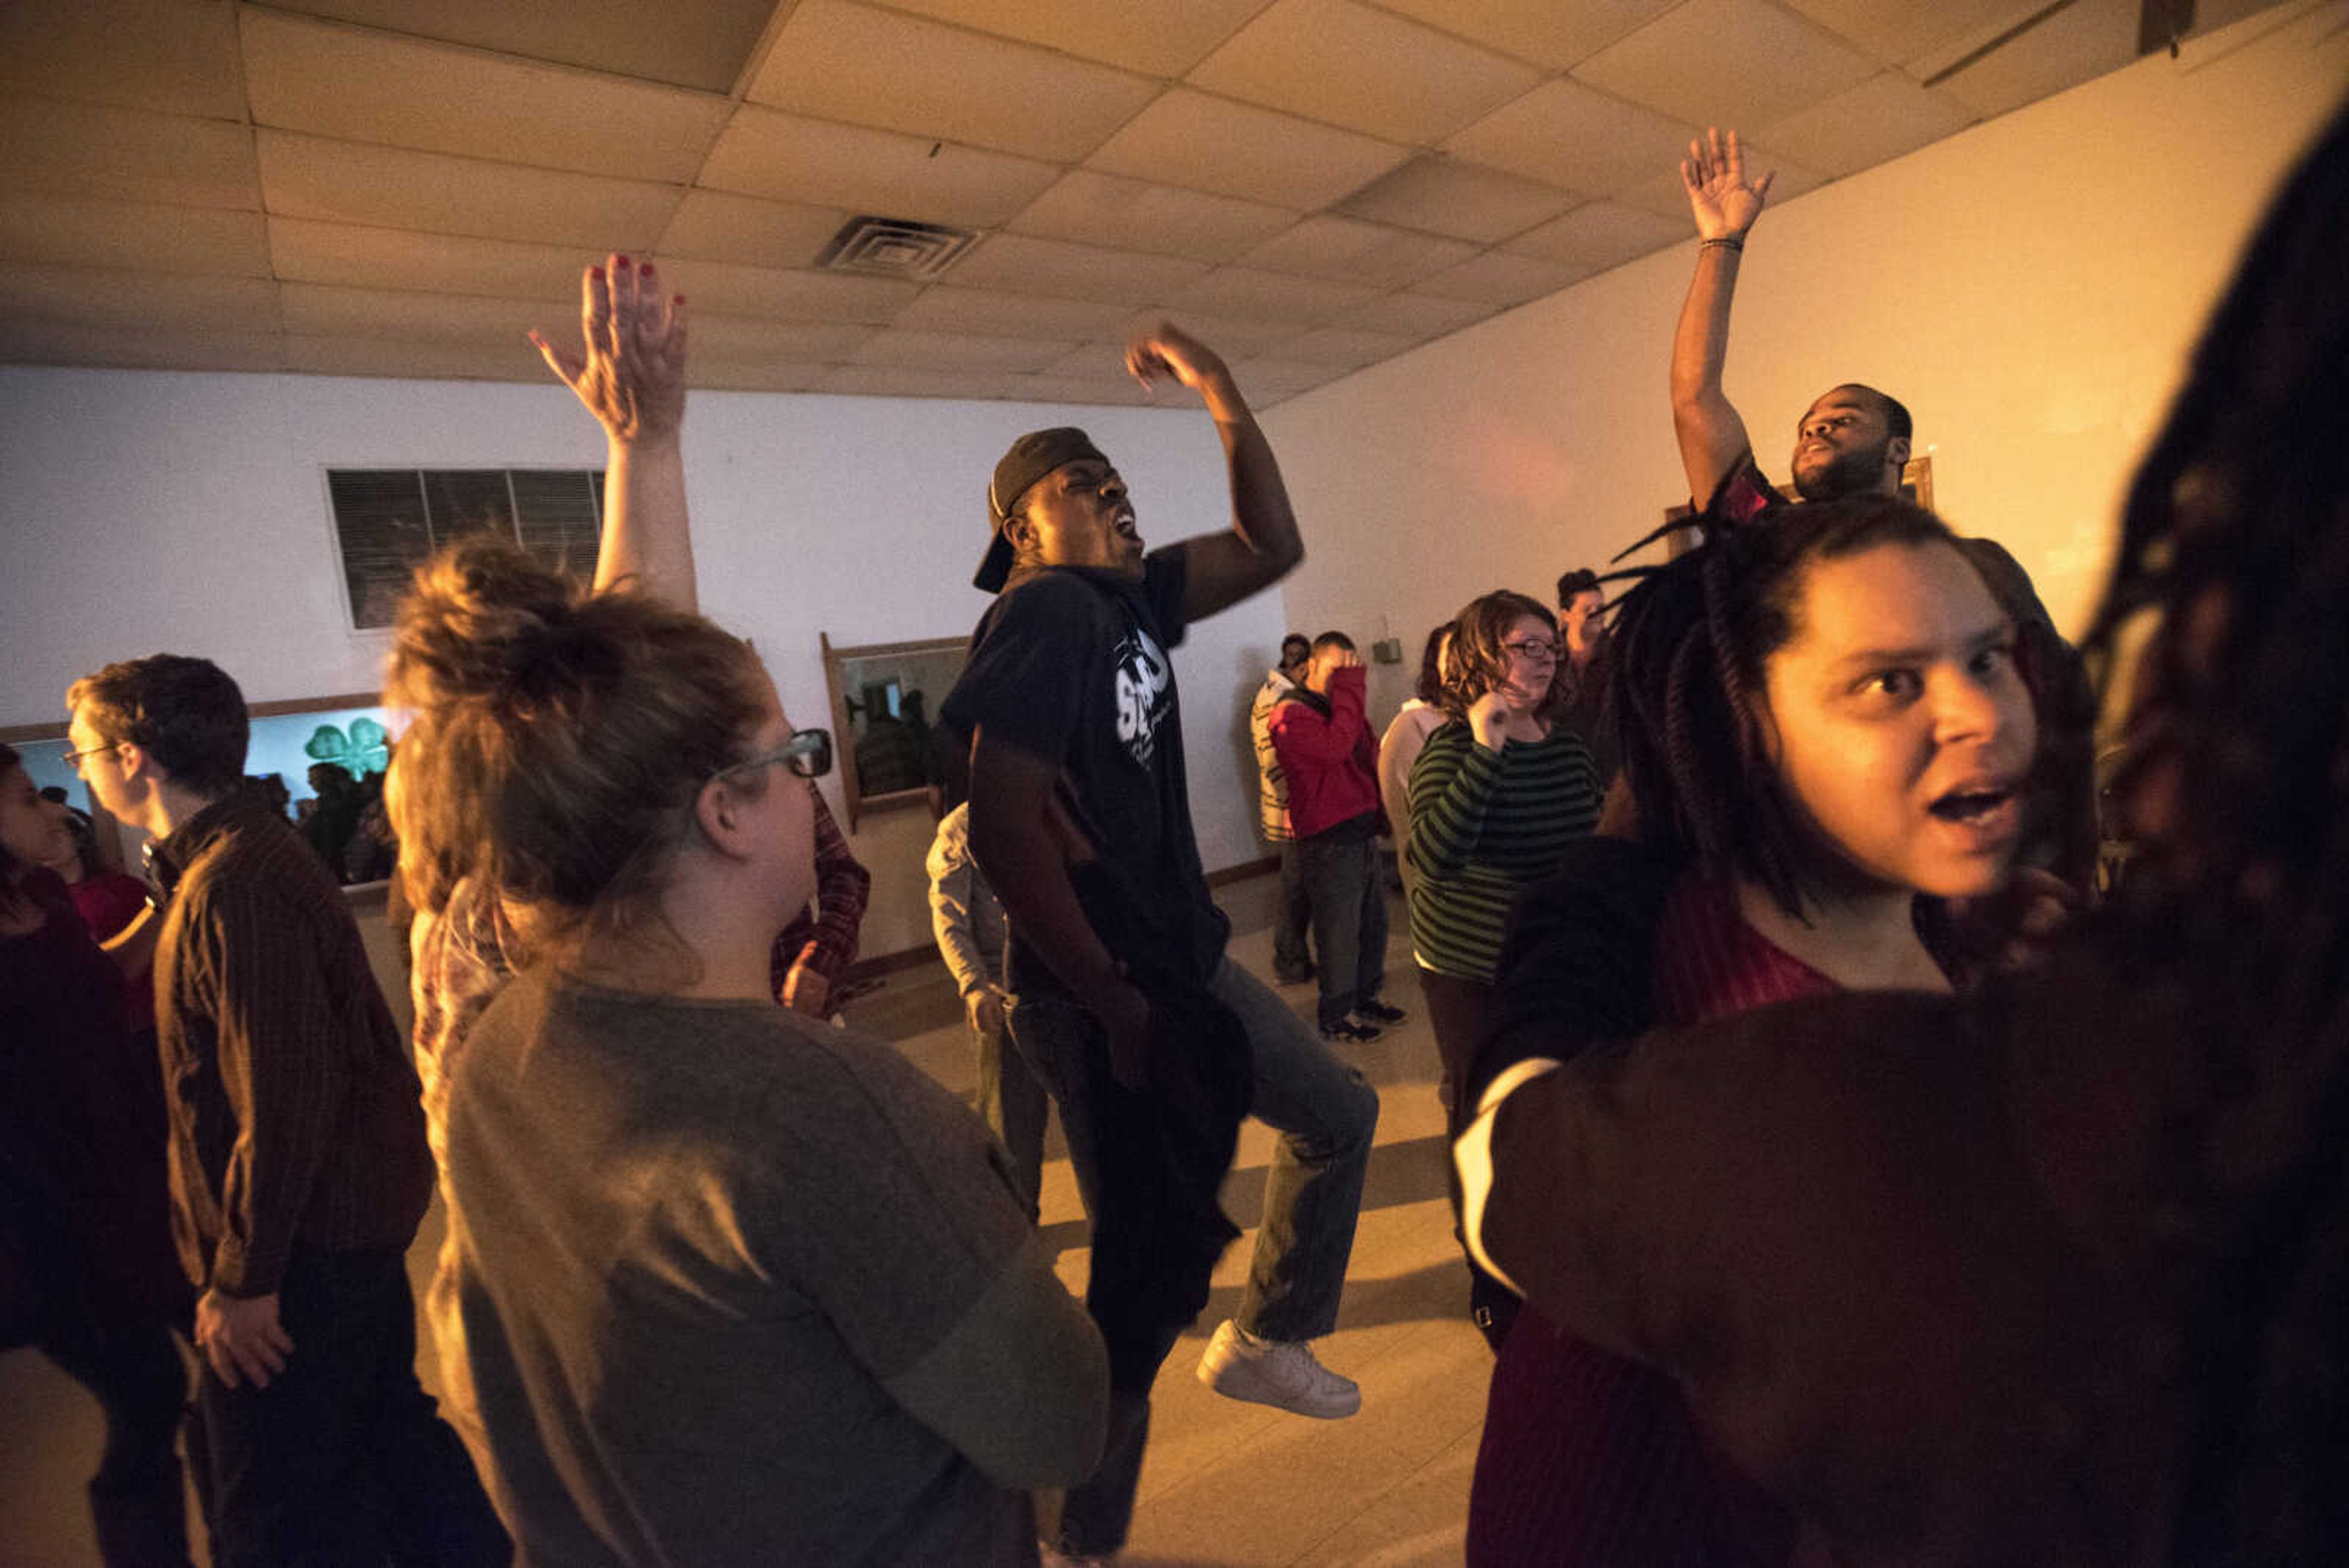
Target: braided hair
2236,537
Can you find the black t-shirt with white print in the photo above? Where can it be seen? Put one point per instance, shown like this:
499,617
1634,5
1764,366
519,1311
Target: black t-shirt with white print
1071,664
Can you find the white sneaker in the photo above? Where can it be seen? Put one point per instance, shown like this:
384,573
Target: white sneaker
1282,1372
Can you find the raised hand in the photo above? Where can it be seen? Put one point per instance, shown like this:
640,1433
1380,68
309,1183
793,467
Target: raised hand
1169,352
630,371
1720,198
1488,719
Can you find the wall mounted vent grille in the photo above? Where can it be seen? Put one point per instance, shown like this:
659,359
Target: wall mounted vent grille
895,248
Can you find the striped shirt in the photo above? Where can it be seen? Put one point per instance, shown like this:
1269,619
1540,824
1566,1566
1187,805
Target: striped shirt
1484,824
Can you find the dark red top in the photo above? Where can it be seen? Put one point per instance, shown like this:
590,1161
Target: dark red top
1592,1459
108,901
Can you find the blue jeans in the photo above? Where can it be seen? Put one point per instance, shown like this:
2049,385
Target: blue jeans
1327,1113
1350,920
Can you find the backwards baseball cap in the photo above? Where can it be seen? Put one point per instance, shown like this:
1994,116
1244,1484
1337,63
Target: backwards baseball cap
1032,457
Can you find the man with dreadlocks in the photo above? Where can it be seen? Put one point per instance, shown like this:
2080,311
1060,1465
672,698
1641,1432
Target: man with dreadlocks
1852,441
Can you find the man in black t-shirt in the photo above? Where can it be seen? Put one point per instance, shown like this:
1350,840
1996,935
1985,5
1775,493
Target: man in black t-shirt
1149,1039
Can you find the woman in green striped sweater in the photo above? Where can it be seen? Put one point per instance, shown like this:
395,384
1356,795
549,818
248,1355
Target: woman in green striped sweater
1496,796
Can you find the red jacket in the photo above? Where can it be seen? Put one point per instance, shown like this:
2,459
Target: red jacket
1328,753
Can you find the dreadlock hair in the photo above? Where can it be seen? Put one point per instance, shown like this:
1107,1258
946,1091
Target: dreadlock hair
1684,682
2236,536
1479,662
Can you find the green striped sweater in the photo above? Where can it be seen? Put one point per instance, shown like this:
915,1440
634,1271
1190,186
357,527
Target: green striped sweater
1483,825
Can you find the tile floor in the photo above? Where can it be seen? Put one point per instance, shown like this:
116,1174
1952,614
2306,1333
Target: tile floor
1224,1484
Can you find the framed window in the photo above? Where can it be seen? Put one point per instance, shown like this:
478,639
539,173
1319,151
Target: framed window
388,520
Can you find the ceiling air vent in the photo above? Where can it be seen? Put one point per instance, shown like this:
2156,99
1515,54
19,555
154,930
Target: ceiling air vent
894,247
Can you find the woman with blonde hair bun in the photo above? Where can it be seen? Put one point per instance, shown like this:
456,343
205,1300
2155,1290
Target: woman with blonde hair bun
727,1284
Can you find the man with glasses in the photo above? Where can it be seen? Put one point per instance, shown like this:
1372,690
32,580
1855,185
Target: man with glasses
299,1170
1123,1002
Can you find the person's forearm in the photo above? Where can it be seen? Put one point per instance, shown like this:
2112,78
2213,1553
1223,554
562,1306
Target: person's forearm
1262,513
133,948
950,929
1023,861
647,539
1701,343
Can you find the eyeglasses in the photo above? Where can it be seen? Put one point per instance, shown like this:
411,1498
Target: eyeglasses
73,758
1538,652
808,753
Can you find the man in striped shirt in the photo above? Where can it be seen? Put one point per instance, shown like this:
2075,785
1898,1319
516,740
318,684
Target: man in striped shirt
298,1162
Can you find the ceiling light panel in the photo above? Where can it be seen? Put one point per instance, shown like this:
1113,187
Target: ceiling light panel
1880,120
1455,197
327,80
1022,265
714,225
857,169
1367,70
55,231
838,60
1551,34
132,299
1100,209
389,187
1146,35
1208,143
1696,63
702,44
168,57
1571,135
1602,234
92,152
1327,245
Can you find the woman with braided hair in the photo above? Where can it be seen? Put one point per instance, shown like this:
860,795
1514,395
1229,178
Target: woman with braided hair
2057,1271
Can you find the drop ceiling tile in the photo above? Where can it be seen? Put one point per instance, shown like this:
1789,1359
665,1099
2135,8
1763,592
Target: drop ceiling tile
1903,30
327,80
35,342
1571,135
88,150
1418,315
389,187
415,358
715,227
1135,214
1268,381
747,376
1146,35
1102,362
991,312
1875,122
2083,41
838,60
1050,388
1697,62
1664,195
1455,197
1546,31
1327,245
1367,70
788,295
58,232
1602,234
1345,347
1233,336
1022,265
763,154
1498,279
1269,295
355,256
703,44
957,351
1188,138
93,298
171,57
325,310
738,339
909,381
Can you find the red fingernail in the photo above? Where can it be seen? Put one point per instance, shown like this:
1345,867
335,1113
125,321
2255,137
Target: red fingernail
621,260
681,299
596,273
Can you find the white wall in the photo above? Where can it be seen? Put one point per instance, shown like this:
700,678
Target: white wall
2030,288
150,510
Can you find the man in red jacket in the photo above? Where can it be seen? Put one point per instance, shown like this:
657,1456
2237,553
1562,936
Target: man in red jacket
1330,758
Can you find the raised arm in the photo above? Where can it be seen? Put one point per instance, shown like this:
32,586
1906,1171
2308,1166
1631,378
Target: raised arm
1712,436
630,373
1262,545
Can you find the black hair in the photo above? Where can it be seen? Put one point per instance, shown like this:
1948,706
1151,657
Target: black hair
1333,639
1581,580
1295,639
1897,425
2236,536
1429,688
184,713
1684,671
